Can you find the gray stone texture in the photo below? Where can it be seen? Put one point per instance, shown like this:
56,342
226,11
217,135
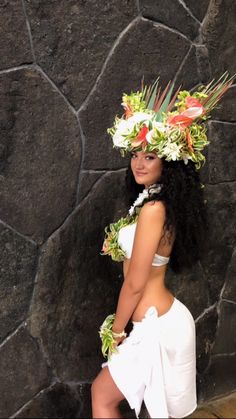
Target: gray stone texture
218,32
23,372
14,39
198,8
39,141
226,338
173,15
222,152
63,69
56,402
72,39
17,272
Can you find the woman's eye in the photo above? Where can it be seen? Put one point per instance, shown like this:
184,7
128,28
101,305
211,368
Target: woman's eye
133,156
149,158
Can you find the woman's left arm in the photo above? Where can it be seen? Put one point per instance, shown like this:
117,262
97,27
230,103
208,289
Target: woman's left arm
148,234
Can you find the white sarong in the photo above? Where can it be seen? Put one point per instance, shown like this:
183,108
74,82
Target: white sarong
157,363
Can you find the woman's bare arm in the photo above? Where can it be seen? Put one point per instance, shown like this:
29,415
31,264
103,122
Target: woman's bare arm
148,234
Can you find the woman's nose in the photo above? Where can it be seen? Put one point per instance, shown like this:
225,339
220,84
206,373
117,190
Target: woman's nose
139,162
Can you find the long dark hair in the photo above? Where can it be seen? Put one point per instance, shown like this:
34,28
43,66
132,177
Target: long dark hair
182,195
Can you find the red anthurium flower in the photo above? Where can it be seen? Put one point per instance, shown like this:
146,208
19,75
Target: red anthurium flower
192,102
180,121
193,112
141,137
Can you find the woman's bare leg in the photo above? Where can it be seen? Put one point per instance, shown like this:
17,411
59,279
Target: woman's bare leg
105,396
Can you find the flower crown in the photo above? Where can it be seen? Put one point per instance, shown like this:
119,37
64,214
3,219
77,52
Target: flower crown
173,127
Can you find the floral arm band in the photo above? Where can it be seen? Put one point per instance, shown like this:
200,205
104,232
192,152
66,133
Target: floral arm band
108,337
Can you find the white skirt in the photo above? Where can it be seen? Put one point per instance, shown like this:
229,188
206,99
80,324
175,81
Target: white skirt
157,363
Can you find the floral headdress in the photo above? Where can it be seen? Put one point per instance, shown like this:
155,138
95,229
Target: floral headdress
172,126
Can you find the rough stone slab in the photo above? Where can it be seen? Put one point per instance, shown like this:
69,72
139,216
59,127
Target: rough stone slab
230,283
76,287
221,152
87,181
23,372
84,394
39,154
198,8
193,77
219,378
191,288
226,336
135,55
216,260
170,13
227,109
17,272
205,332
218,31
72,39
59,401
222,213
14,39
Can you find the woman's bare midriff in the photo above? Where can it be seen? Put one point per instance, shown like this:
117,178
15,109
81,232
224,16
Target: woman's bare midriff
155,293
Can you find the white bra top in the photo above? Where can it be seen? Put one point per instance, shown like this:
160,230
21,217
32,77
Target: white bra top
126,241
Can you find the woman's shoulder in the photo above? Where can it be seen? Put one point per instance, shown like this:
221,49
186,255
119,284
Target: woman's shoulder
153,210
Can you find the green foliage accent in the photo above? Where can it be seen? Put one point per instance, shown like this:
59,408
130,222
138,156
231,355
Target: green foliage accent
111,246
106,336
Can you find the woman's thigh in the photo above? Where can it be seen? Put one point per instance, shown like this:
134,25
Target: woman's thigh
105,389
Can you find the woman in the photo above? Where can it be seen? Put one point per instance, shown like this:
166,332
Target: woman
157,362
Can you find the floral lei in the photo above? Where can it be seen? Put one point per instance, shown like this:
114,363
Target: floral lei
111,246
173,127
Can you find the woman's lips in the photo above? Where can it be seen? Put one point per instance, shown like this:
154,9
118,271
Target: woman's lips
140,173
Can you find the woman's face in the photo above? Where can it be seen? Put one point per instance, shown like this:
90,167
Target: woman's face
146,167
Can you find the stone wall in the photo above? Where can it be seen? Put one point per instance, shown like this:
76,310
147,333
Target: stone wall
63,68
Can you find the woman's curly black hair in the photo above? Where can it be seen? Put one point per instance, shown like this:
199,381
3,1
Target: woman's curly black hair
182,195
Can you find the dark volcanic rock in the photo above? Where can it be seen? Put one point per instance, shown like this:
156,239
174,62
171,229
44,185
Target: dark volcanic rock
72,39
23,372
218,31
226,111
14,40
226,337
76,287
222,213
88,181
221,152
219,378
205,331
135,55
198,8
230,283
215,265
191,288
40,155
84,393
57,402
17,271
170,13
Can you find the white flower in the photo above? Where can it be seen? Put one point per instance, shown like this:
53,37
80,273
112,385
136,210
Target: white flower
139,117
143,195
159,126
171,151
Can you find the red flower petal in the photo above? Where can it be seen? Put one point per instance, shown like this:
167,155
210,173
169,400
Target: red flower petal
142,133
192,102
181,121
